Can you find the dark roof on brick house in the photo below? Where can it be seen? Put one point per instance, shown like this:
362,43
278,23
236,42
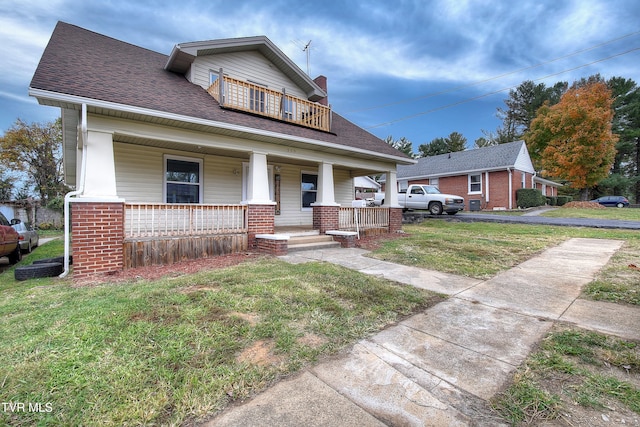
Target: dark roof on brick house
495,157
81,63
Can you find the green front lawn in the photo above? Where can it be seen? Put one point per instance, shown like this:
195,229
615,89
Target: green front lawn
625,214
179,349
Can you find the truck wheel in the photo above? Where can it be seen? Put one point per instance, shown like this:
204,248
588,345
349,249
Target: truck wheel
435,208
35,271
15,256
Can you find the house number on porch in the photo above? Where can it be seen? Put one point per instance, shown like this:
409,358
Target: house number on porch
291,150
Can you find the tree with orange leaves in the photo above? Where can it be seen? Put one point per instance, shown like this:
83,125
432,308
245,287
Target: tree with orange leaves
572,140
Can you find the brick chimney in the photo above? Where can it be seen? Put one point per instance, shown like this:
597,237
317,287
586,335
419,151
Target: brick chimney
322,82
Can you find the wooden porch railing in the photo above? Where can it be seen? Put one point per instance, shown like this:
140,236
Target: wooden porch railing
257,99
367,218
168,219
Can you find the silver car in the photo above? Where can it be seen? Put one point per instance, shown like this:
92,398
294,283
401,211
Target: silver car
28,237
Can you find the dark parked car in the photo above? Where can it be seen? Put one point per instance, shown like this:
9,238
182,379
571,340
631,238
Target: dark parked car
9,241
613,201
28,236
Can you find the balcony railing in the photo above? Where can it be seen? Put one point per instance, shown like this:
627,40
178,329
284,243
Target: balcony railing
253,98
169,219
366,218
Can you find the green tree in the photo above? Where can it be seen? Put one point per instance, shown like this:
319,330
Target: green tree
573,140
6,187
433,148
522,105
36,150
402,144
626,124
454,142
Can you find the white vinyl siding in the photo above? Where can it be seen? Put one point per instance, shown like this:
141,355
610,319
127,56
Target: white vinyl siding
139,175
344,189
290,202
248,66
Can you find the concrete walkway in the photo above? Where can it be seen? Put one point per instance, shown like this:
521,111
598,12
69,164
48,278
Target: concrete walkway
440,367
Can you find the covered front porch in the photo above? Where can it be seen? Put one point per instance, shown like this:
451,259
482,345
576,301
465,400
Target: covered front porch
237,192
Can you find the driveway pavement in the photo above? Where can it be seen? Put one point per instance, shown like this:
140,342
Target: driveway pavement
441,366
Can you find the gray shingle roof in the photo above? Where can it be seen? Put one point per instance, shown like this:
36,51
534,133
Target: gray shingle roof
495,157
86,64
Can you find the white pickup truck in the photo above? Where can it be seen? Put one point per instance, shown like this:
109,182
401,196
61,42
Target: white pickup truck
422,196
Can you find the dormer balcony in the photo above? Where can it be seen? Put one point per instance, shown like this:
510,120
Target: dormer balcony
256,99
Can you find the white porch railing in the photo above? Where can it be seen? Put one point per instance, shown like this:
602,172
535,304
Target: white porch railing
169,219
366,217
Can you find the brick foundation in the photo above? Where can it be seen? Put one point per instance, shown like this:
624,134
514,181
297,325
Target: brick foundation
395,220
261,220
97,238
326,218
346,241
272,247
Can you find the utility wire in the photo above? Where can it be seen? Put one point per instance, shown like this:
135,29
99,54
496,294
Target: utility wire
492,78
498,91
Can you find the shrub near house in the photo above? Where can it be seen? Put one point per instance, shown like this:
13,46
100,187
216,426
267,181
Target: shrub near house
529,198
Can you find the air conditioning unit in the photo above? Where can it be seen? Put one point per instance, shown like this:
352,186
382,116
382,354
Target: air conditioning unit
474,205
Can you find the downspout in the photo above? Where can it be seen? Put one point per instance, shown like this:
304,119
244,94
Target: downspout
78,191
510,188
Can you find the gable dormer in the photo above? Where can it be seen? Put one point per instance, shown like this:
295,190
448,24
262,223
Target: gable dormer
252,75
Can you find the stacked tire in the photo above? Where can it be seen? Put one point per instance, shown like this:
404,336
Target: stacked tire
47,267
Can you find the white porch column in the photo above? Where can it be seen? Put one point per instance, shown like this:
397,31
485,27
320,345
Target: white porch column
391,191
100,178
325,195
258,180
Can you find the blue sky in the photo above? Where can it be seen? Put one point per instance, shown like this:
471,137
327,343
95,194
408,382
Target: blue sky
414,69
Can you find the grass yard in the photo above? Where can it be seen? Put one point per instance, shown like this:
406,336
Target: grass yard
177,350
625,214
572,377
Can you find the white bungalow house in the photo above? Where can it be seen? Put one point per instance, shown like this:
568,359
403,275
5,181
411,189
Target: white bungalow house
220,146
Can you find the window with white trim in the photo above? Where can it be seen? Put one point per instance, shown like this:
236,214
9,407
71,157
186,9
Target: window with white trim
475,184
308,188
434,181
522,180
182,179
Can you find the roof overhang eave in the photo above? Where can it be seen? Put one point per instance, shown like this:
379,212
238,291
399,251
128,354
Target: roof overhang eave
62,99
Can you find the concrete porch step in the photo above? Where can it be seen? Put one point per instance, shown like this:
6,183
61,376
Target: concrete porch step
298,240
311,242
313,246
